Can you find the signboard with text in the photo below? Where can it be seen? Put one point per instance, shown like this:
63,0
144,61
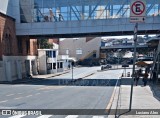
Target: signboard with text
137,11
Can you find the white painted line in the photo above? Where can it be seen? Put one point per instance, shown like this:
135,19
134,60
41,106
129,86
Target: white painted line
112,97
3,101
72,116
19,93
10,95
98,117
29,96
18,98
17,116
37,93
44,116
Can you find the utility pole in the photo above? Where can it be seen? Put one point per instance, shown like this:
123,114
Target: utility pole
137,15
72,70
134,60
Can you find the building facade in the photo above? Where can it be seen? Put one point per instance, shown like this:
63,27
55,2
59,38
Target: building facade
17,54
80,48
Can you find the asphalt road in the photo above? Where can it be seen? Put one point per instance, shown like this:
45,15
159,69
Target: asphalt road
93,92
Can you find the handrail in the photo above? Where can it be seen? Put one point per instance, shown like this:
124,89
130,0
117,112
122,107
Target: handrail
118,100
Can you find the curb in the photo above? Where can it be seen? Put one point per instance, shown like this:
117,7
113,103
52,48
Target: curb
111,69
33,79
78,79
57,74
108,108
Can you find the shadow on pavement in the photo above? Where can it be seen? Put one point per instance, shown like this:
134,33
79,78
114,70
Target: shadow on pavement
128,81
155,90
70,82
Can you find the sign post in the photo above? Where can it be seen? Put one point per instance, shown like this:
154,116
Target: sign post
137,11
72,69
137,14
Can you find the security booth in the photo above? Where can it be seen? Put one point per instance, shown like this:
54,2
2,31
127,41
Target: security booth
47,61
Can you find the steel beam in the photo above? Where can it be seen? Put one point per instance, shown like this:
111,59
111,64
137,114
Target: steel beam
108,5
121,8
94,9
125,11
77,10
159,9
149,8
75,13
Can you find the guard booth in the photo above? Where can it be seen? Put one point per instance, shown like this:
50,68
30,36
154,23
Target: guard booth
50,62
47,61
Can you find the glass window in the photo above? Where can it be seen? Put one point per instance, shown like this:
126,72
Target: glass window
51,54
54,54
67,51
54,65
79,51
49,66
61,64
58,65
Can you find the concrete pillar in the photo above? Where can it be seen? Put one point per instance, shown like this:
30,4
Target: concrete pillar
8,71
33,47
19,69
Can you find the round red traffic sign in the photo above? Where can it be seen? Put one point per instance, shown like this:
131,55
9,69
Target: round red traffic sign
138,8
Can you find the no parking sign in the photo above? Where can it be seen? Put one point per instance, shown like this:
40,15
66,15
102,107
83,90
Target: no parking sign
137,11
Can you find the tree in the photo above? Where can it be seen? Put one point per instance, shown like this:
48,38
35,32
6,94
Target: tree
43,44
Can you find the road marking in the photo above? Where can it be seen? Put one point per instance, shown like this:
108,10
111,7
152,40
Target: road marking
72,116
10,95
17,116
19,93
44,116
98,117
29,96
112,98
3,101
37,93
18,98
50,87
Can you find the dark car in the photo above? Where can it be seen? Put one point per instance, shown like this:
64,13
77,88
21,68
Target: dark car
106,66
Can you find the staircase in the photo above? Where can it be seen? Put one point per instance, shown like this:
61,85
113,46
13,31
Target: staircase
90,55
89,59
156,63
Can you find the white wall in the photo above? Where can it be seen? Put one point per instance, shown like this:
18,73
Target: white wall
14,67
2,75
42,62
87,47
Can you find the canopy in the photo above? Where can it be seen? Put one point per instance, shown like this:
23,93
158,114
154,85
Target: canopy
141,63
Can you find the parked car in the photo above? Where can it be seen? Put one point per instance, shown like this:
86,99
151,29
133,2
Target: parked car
106,66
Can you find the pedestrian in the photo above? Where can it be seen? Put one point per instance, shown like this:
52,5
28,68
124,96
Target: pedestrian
137,76
145,78
154,78
140,72
68,66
